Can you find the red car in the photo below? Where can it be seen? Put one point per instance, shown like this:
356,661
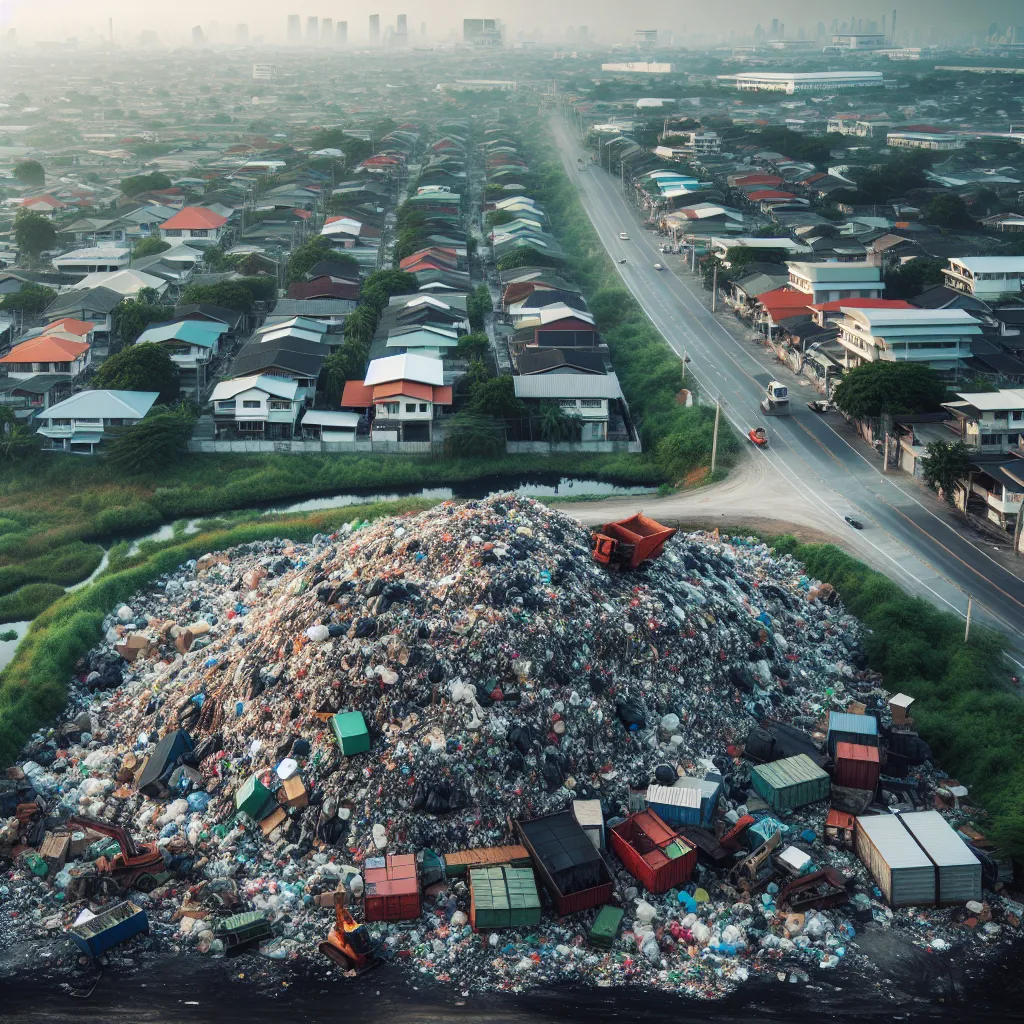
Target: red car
758,436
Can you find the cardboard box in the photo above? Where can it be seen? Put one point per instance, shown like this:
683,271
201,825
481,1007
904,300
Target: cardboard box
293,793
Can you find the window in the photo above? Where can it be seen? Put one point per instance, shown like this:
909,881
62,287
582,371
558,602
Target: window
567,403
280,404
251,426
410,406
590,403
391,408
250,403
172,232
226,406
200,233
1016,416
61,367
992,438
423,406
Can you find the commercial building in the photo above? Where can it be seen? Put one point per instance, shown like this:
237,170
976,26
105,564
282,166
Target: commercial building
641,68
940,338
941,141
986,277
827,282
483,31
341,33
859,41
264,72
313,29
990,422
811,81
294,29
703,143
374,29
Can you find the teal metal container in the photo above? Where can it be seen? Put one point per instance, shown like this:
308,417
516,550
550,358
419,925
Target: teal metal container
791,782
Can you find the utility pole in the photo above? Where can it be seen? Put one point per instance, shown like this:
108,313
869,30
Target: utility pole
693,257
885,454
714,438
714,287
967,631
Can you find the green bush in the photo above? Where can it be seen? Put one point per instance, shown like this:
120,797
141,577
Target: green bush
125,520
28,601
70,563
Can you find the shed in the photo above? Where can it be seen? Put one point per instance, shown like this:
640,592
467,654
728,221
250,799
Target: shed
857,766
840,828
900,867
678,805
652,852
958,869
351,732
458,863
392,888
567,862
846,728
158,768
791,782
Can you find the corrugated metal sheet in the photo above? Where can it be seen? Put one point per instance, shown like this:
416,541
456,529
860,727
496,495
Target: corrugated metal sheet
959,870
792,782
843,726
676,805
899,866
857,766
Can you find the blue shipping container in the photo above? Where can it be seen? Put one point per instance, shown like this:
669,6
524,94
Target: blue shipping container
109,929
846,728
675,805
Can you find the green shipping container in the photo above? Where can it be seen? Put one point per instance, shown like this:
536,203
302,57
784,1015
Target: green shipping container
351,733
504,897
791,782
253,798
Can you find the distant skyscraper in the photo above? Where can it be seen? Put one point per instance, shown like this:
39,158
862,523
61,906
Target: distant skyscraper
584,34
402,29
198,38
327,30
374,29
483,32
423,30
312,29
341,33
241,34
294,28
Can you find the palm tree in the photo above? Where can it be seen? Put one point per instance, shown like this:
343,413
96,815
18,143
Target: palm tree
555,425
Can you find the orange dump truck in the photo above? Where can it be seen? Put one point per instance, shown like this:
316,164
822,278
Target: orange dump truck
628,542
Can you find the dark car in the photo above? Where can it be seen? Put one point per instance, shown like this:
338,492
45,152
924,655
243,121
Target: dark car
855,523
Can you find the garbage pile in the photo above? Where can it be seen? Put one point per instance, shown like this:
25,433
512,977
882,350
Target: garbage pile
279,718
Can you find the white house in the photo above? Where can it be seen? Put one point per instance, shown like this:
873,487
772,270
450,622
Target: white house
263,406
56,352
990,422
940,338
190,343
127,283
196,224
96,260
79,423
826,282
986,277
585,395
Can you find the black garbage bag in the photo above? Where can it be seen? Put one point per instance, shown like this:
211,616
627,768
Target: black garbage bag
366,627
436,673
517,763
521,737
206,747
742,678
438,797
665,775
554,775
631,713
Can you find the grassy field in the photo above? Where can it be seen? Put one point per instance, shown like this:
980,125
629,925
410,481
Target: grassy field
33,688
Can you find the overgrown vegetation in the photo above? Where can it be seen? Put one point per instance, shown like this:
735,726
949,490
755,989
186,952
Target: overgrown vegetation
963,709
28,601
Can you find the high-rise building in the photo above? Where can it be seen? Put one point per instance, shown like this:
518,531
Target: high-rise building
327,30
584,35
341,33
242,34
294,28
483,32
646,36
374,29
312,29
198,37
402,30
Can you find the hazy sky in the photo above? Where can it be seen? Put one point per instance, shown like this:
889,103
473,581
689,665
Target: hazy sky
607,20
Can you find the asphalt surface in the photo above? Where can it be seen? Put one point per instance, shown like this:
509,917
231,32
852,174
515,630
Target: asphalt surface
902,536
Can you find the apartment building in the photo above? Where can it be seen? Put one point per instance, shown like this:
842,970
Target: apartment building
827,282
986,277
990,423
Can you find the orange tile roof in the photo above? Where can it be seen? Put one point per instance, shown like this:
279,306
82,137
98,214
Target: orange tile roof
195,217
69,325
46,349
357,394
405,389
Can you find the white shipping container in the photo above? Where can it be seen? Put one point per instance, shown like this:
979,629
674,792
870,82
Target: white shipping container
899,866
959,870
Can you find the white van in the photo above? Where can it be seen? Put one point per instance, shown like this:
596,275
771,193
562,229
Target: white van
624,236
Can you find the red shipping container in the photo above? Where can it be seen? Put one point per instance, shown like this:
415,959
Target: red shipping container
857,766
653,852
392,891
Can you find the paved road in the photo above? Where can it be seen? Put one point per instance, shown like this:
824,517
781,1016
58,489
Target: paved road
903,537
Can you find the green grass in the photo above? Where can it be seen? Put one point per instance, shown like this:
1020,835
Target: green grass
962,706
28,601
66,564
33,687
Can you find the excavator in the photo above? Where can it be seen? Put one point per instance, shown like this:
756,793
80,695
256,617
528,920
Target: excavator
349,944
138,866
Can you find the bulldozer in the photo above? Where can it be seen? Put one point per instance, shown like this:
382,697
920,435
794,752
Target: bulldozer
138,866
349,944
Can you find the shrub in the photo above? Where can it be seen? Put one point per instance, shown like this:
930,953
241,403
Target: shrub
28,601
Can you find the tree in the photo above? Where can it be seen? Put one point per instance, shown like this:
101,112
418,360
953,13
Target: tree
156,181
156,441
29,298
474,435
478,305
948,211
888,387
381,285
498,217
29,172
945,464
473,346
310,253
150,247
33,233
496,396
146,367
913,277
133,316
555,425
238,294
739,257
347,363
16,440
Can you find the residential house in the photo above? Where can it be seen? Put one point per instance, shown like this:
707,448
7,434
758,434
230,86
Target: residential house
79,423
990,422
993,491
45,205
827,314
986,277
405,394
330,312
29,396
290,357
826,282
55,353
94,305
263,406
210,313
99,260
191,344
939,338
126,283
587,395
196,224
331,426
